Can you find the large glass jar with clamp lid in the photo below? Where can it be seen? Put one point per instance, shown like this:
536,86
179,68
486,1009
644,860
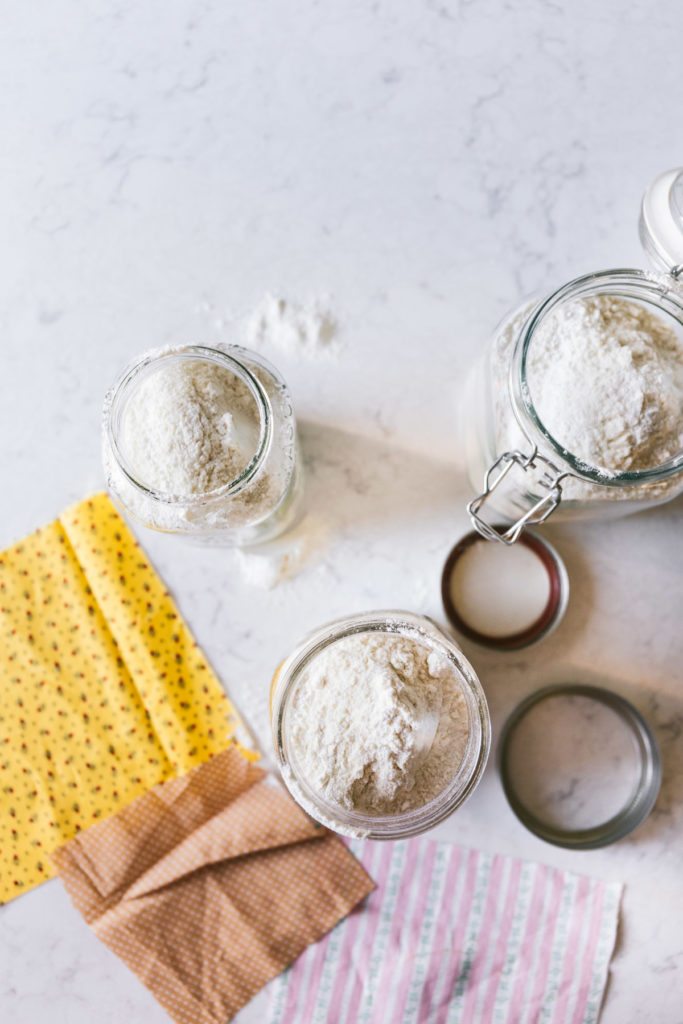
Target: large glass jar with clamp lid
527,472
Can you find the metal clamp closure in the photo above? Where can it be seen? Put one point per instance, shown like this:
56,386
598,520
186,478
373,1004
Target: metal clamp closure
549,478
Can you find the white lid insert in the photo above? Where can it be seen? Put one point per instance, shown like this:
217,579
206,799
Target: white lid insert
661,221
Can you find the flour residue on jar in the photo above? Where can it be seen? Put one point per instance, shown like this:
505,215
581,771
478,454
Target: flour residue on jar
359,718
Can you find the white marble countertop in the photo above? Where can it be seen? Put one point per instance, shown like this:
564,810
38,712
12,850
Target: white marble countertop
425,165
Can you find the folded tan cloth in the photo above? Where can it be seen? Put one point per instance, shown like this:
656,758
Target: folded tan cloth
209,885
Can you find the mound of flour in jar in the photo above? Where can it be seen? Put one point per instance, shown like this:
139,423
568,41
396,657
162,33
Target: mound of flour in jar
606,378
357,723
190,428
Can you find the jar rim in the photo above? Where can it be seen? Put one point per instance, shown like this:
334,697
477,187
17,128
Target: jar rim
638,285
130,378
416,820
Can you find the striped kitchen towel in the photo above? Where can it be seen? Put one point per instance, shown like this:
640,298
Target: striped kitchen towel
456,935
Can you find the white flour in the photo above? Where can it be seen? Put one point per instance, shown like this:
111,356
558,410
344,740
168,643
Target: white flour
356,723
606,378
190,428
284,558
308,330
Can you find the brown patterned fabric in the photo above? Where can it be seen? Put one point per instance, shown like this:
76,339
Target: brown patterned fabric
209,885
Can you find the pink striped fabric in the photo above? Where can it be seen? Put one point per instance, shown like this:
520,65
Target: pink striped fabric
593,938
455,936
571,952
458,965
501,945
529,942
446,912
354,938
415,929
551,914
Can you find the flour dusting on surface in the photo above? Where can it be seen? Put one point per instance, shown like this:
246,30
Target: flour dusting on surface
281,560
305,330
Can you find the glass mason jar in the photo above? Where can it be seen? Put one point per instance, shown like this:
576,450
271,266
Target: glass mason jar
264,498
527,474
466,774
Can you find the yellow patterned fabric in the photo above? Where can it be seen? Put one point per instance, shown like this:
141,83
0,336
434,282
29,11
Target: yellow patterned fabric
103,690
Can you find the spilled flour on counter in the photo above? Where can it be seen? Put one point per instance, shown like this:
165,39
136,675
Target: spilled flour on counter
305,330
280,560
356,722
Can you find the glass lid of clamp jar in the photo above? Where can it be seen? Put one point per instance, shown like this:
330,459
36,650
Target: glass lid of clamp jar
576,407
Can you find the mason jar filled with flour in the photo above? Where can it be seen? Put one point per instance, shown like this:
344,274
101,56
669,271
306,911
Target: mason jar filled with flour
576,408
202,441
380,725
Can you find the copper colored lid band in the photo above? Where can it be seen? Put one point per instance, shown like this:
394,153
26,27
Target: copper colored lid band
512,640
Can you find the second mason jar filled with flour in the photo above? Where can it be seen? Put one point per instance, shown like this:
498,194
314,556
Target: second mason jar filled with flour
380,725
201,440
577,405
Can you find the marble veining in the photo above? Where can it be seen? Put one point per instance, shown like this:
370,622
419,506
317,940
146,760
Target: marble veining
426,164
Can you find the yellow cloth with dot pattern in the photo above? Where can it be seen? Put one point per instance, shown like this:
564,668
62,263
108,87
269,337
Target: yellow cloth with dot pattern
103,690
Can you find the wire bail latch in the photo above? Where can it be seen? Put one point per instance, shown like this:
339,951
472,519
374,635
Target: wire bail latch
547,477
